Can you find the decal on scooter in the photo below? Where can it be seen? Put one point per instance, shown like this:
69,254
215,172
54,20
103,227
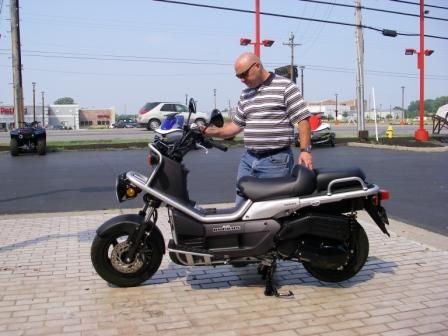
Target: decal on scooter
227,228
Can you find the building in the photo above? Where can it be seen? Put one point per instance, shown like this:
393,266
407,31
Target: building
64,115
96,118
328,109
30,114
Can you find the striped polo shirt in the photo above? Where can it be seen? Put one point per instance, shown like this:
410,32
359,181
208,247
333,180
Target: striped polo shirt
269,113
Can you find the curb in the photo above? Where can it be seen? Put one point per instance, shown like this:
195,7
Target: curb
402,148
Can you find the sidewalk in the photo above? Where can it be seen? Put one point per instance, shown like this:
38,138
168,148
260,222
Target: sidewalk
48,287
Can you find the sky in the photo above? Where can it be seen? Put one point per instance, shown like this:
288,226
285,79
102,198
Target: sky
122,54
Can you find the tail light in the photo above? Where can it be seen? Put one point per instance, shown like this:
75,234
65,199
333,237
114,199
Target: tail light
142,111
383,195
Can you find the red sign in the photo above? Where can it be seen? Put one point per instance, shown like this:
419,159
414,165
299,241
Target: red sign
6,110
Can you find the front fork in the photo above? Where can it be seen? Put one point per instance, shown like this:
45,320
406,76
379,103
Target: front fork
136,239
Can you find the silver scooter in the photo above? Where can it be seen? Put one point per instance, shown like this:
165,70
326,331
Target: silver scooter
307,217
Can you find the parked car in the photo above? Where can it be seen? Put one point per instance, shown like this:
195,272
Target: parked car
125,123
152,114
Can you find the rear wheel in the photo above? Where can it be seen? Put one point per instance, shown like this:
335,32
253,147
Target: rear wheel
359,251
14,147
109,258
153,124
41,146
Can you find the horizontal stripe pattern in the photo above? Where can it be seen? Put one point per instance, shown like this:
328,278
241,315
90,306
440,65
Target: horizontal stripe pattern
269,113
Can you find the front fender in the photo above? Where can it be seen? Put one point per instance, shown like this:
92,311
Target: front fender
127,223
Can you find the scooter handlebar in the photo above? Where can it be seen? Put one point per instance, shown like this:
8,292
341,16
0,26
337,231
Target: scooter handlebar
212,143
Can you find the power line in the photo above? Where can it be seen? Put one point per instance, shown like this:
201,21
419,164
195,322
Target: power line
209,62
384,31
416,3
374,9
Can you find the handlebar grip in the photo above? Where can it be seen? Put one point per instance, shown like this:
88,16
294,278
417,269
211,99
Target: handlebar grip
218,145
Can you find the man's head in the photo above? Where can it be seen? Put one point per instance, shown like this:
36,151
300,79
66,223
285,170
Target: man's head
249,69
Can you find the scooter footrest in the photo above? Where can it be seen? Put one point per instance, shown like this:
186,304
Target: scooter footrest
172,247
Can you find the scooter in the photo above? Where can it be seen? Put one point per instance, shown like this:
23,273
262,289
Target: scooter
320,132
308,217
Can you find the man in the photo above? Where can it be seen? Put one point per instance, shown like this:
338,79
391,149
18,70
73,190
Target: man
267,111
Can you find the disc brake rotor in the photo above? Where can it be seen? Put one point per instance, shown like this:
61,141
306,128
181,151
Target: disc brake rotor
118,258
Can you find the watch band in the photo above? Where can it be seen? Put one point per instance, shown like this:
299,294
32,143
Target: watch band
306,149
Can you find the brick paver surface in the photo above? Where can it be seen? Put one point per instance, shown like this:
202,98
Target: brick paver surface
48,287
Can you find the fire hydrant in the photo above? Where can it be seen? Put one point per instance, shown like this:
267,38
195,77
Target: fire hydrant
390,132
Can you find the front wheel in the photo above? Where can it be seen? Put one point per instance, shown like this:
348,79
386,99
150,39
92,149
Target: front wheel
41,146
358,253
109,258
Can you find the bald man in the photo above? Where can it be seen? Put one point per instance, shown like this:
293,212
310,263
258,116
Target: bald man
268,110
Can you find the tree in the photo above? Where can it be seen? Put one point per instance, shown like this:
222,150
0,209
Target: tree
431,105
64,101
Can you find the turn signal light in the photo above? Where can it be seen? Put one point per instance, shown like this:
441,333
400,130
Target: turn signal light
131,192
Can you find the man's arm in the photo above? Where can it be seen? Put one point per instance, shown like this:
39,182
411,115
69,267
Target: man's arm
305,157
228,130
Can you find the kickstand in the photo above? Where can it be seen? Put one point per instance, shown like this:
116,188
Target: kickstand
267,270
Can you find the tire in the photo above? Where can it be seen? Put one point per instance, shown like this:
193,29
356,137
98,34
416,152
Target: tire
14,147
107,252
153,124
360,248
41,146
200,122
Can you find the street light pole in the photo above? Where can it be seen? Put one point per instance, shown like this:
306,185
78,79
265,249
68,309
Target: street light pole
301,80
34,101
403,114
336,110
43,110
421,134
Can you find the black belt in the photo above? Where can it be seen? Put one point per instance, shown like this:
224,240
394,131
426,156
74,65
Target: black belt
265,153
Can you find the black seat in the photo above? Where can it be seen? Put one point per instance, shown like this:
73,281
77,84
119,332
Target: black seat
325,175
301,182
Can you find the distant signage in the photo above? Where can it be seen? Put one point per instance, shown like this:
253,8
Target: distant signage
6,110
9,109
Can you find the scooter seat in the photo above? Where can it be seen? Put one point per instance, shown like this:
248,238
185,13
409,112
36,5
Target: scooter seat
325,175
302,181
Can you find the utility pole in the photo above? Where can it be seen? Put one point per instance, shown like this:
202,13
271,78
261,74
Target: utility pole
214,94
301,79
362,133
186,99
403,114
43,110
292,45
34,101
16,63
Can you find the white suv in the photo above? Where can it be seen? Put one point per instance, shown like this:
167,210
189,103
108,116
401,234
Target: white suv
152,114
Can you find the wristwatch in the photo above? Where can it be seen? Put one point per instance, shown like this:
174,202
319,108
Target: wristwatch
306,149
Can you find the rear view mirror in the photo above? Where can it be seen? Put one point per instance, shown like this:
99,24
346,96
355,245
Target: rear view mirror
216,118
192,106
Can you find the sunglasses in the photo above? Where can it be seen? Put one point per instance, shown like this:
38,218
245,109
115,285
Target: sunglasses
245,73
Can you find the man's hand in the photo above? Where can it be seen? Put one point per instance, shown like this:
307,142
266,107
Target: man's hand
305,159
